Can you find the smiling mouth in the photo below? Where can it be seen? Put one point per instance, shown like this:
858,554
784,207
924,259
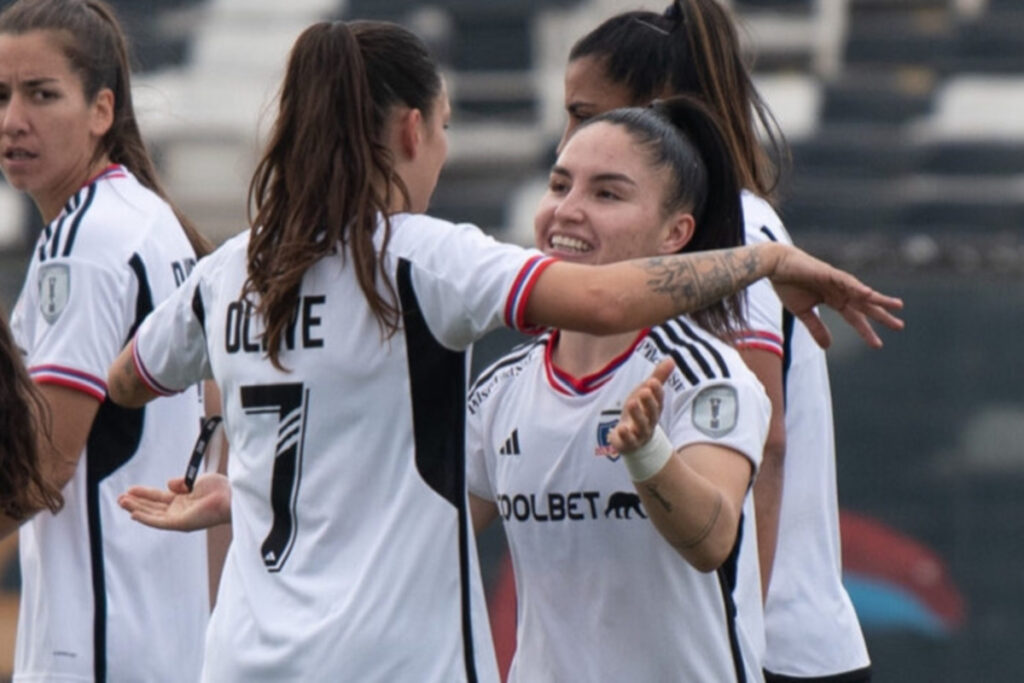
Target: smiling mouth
565,243
18,155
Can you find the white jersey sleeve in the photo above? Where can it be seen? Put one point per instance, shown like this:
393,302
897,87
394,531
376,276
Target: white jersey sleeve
169,350
732,413
764,309
479,479
80,321
458,284
711,396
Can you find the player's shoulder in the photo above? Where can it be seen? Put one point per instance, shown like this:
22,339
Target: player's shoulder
108,219
701,358
761,221
231,257
434,243
502,373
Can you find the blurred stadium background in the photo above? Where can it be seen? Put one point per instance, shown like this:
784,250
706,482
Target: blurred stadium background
906,121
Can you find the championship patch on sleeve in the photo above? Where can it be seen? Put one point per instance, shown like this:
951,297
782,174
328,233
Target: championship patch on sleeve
54,290
715,410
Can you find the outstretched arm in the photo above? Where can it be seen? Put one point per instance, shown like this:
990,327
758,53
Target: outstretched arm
630,295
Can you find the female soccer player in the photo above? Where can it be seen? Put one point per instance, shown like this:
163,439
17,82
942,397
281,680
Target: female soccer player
101,598
635,578
812,631
335,329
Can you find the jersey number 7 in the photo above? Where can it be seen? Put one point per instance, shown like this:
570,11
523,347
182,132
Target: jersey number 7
290,402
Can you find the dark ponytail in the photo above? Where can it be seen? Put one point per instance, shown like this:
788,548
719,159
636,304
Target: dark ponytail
683,135
95,45
327,174
692,49
23,414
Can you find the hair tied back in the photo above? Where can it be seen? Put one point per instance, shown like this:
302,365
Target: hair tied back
674,14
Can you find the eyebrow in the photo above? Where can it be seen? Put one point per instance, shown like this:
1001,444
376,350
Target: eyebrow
600,177
42,80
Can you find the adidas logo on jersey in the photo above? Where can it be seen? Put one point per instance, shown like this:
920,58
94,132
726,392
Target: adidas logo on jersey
511,446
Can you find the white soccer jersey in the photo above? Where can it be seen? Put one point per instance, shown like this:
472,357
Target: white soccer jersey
811,627
352,557
601,595
103,597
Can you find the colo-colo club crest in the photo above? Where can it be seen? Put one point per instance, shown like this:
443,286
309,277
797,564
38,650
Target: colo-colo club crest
605,424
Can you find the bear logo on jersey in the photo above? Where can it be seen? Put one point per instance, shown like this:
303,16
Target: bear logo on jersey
621,503
54,290
605,425
715,410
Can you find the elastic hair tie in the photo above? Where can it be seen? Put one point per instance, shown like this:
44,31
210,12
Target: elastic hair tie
674,14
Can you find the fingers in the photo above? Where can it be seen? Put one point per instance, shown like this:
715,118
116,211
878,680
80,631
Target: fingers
879,312
663,370
177,485
140,493
816,327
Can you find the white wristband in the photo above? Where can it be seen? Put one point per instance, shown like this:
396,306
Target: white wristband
646,461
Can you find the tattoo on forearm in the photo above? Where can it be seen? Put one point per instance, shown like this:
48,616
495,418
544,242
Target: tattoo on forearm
705,531
700,280
654,493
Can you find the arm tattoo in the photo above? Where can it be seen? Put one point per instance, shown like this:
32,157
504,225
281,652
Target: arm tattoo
695,281
699,537
654,493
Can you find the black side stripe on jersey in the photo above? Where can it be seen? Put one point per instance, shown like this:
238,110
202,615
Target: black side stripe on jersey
678,341
727,582
437,378
788,321
144,299
73,232
514,356
707,345
113,440
199,309
681,363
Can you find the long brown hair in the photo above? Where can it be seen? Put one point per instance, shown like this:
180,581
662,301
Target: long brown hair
93,42
683,135
23,413
327,174
692,48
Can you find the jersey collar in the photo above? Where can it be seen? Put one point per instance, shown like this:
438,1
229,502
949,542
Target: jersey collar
564,383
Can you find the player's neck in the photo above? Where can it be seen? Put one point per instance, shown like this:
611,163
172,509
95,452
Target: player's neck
582,354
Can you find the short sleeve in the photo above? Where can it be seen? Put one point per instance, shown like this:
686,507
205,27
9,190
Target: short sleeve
764,308
478,479
764,320
80,322
474,284
729,413
169,349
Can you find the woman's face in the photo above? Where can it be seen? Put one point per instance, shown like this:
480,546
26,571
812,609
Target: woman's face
48,131
433,151
605,202
589,92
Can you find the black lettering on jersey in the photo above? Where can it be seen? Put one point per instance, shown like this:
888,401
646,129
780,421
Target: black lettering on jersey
242,331
310,321
551,506
182,269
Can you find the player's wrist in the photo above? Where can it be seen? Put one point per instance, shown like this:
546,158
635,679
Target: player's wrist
649,459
